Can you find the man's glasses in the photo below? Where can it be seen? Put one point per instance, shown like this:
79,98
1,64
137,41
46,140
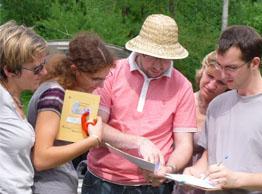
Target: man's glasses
154,59
37,69
230,68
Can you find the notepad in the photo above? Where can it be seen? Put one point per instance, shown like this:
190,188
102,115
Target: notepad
75,104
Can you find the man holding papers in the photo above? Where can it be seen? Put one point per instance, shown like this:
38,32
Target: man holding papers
149,107
233,127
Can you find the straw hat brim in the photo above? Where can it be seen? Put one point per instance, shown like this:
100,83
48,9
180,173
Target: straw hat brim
171,51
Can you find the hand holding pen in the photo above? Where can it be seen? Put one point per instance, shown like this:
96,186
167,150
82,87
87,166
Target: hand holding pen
213,168
221,176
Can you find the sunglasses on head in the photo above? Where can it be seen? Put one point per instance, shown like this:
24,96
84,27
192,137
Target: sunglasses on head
37,69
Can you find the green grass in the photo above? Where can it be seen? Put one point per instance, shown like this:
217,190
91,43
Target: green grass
25,97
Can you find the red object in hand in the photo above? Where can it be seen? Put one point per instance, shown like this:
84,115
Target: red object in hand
86,123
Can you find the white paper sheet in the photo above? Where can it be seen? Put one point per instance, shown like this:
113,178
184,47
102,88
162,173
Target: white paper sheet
133,159
192,181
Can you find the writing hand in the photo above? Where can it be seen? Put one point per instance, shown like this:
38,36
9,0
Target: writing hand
221,176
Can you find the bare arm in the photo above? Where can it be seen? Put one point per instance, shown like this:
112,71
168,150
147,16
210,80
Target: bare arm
177,160
146,148
229,179
45,154
183,150
252,181
117,138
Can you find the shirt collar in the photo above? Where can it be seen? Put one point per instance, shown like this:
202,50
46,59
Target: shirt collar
134,66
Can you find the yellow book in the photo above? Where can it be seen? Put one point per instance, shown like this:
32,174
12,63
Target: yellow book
75,104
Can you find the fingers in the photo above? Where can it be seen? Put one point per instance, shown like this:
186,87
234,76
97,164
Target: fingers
155,181
191,171
161,159
154,178
154,157
150,152
97,122
214,168
215,171
148,175
194,172
151,157
220,176
95,127
219,182
95,130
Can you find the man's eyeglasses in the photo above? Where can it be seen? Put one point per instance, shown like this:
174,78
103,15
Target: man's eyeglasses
154,59
37,69
230,68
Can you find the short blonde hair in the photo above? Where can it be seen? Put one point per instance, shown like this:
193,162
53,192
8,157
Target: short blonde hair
208,61
18,45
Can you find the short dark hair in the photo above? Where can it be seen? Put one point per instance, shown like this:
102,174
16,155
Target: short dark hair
243,37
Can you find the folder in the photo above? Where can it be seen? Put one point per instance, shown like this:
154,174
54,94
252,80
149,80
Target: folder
74,106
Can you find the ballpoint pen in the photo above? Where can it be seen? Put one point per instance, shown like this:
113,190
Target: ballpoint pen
218,164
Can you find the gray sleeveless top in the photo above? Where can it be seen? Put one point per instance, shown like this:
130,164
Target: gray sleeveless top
63,179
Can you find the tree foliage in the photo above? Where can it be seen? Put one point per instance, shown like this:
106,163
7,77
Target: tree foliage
24,11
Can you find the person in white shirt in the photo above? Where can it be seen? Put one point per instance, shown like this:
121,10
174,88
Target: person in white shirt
22,59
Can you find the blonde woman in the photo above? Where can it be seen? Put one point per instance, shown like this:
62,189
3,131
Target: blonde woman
210,82
22,59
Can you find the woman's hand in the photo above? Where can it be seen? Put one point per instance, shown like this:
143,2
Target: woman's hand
96,130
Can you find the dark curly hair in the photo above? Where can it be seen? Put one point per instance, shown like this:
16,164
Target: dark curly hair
88,52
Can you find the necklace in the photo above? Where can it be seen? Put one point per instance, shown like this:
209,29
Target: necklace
16,100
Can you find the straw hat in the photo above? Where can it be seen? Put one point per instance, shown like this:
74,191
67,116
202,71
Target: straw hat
158,37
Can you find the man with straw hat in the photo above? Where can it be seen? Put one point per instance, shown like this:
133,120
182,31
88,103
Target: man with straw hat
148,106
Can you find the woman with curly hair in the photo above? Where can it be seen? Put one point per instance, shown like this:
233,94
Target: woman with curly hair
84,68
